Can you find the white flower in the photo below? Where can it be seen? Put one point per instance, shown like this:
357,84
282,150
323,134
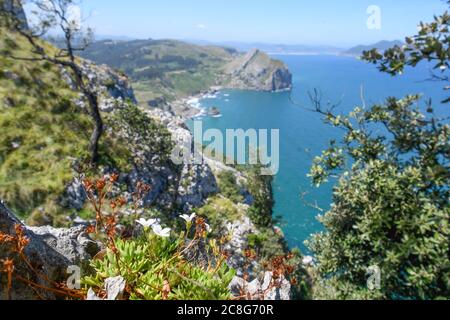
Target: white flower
208,227
308,260
187,218
146,223
158,230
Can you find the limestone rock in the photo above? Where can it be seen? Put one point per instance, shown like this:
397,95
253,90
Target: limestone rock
281,291
257,71
261,290
74,195
112,87
15,7
239,232
197,183
115,287
51,251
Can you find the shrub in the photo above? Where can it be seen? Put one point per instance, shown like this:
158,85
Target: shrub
260,187
219,210
390,205
229,187
143,135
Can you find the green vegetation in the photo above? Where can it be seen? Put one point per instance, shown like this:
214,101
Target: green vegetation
150,261
154,263
229,187
219,211
227,207
165,69
390,208
144,136
155,269
260,188
46,143
391,211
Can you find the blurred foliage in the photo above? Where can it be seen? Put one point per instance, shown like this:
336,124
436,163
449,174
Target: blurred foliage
432,44
390,207
229,186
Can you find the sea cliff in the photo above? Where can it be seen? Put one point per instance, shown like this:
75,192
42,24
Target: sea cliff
258,71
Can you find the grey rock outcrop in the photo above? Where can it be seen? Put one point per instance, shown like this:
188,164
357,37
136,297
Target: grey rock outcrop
266,289
15,7
193,183
197,183
257,71
186,186
114,288
112,87
74,196
239,231
50,251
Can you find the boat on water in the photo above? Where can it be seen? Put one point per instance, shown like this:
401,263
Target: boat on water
214,112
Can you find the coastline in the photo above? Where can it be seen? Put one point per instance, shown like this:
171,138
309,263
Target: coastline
189,108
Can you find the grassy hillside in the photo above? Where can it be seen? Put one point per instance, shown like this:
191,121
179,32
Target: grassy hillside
41,132
166,69
44,134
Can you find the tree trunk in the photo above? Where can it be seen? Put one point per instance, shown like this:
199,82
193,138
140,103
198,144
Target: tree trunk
94,112
98,127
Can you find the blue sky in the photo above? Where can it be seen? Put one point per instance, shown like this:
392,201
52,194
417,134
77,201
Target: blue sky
327,22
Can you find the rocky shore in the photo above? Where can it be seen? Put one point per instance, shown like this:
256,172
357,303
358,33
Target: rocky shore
254,70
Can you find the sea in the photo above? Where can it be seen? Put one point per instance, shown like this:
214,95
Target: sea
343,81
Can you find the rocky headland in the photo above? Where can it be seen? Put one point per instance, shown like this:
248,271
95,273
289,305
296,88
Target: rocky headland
258,71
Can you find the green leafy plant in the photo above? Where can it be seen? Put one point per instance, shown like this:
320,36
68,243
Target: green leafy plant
390,206
154,263
260,187
156,269
143,134
431,44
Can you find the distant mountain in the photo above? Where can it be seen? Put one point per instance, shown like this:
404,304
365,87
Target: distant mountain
101,37
274,48
381,46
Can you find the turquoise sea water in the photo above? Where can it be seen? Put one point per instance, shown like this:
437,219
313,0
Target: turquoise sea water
303,135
